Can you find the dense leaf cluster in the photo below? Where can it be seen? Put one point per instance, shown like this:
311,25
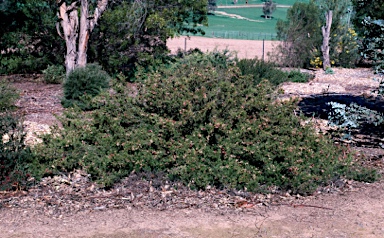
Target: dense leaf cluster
14,155
82,84
260,70
28,38
199,121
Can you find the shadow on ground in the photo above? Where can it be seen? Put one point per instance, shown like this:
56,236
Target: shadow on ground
367,134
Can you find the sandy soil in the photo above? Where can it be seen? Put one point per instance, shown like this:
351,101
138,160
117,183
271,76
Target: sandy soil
356,213
244,48
355,210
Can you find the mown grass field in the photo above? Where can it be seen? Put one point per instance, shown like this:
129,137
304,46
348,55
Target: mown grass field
244,22
239,2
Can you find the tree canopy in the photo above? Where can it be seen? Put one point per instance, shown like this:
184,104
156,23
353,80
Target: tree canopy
28,41
134,33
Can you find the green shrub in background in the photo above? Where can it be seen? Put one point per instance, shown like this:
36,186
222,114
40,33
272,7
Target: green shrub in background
82,84
54,74
8,96
261,70
15,157
200,122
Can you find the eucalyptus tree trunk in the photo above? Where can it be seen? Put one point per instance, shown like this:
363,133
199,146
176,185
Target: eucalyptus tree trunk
77,35
326,31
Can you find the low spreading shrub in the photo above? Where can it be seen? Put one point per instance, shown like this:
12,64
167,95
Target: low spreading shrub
8,96
82,84
14,155
261,70
54,74
199,121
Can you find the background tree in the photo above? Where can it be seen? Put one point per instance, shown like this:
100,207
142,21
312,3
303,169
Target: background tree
27,41
212,5
302,40
134,33
369,24
300,35
342,46
268,8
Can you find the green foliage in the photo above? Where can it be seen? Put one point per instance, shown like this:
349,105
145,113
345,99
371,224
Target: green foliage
329,70
133,33
14,155
373,43
8,96
82,84
298,77
54,74
369,24
261,70
28,38
212,5
198,121
302,39
380,90
345,52
300,35
268,8
352,116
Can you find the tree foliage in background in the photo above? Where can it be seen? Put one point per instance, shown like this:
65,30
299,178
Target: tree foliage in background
134,33
27,39
343,49
212,5
369,23
300,35
268,8
302,40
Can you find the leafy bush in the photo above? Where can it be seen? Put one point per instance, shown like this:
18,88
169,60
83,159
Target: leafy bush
261,70
197,123
8,96
54,74
329,70
83,84
352,116
298,77
14,155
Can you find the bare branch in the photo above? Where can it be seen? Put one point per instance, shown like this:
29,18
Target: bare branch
101,7
58,29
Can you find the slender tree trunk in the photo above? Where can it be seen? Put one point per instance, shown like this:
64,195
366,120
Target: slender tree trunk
326,31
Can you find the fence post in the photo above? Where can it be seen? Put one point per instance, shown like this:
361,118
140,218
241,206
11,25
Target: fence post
263,49
185,44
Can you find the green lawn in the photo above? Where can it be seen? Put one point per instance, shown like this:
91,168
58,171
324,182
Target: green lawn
245,22
239,2
252,26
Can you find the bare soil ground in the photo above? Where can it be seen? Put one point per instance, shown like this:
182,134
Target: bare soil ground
72,206
248,49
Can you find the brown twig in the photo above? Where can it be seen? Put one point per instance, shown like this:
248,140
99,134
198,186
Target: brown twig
301,205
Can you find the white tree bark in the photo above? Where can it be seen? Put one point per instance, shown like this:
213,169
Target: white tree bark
326,31
69,22
77,36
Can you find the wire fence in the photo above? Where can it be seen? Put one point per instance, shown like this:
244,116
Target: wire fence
241,35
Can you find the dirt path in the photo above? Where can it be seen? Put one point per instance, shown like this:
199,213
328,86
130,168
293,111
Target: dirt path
350,209
356,213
